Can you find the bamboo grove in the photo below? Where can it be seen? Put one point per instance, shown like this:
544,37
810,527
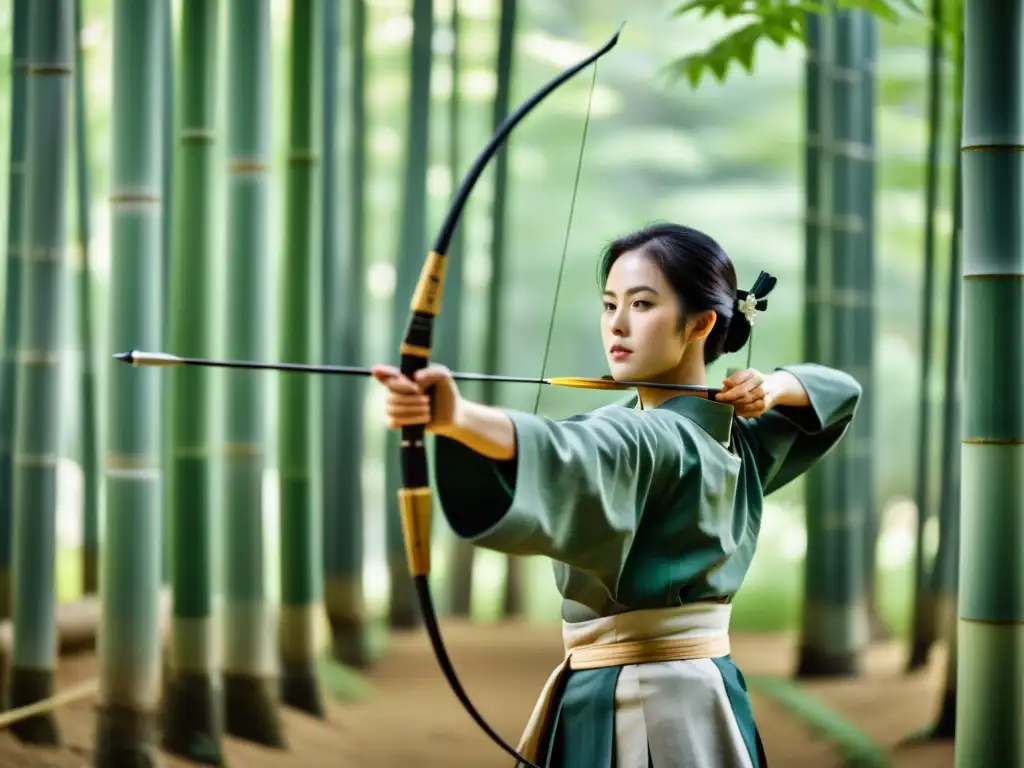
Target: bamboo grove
193,640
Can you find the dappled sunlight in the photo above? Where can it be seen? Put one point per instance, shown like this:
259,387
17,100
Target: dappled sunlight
381,280
896,542
70,501
656,147
385,141
783,532
391,32
477,84
558,52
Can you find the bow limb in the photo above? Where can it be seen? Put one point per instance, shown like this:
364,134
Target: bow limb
414,496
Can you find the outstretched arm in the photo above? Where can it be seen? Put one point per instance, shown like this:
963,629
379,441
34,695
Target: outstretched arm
522,484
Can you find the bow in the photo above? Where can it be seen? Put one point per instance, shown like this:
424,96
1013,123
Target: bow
414,496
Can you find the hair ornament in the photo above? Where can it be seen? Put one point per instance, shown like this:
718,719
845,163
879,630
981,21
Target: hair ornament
749,303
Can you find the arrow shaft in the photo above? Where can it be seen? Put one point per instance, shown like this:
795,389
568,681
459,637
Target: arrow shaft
137,358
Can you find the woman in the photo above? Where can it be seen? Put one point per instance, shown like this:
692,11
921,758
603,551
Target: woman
650,512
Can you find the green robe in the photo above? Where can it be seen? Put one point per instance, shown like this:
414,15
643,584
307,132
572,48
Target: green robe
640,509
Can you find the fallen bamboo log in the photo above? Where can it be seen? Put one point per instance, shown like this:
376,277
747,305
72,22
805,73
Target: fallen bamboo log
78,624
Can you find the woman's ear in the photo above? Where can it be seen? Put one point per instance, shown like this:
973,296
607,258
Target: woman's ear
703,324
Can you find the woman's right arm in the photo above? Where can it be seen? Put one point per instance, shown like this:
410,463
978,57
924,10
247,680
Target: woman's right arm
483,429
523,484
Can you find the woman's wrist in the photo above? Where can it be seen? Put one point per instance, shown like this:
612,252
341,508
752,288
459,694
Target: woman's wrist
488,431
786,389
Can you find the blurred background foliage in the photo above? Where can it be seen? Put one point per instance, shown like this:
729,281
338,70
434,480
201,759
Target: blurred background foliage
726,158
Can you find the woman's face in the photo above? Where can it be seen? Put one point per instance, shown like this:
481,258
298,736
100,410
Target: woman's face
640,325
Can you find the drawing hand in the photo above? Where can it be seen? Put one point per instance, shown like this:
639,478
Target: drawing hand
748,391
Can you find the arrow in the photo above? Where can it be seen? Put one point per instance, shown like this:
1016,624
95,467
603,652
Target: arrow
138,358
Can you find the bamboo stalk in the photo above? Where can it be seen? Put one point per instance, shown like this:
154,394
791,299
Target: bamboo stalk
403,608
12,294
449,348
130,583
37,433
512,597
922,617
991,622
300,509
343,488
250,666
192,707
946,570
90,440
37,437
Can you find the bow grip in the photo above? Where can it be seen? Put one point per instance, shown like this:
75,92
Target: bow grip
414,497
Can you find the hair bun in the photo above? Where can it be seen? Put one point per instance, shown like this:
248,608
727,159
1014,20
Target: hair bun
737,333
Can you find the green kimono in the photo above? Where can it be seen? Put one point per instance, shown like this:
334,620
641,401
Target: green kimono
644,509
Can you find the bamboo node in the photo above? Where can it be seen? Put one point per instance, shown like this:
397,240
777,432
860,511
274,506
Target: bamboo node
243,450
197,135
41,70
247,165
303,157
36,357
126,461
37,460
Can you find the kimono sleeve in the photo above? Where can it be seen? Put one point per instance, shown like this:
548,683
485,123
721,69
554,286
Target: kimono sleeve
574,492
789,440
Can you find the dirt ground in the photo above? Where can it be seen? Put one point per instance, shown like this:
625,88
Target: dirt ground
413,719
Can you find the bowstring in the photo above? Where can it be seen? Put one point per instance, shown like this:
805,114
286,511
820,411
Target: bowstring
565,243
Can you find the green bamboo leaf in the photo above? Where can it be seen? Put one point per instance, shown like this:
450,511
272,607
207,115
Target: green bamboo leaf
719,62
778,34
694,67
745,56
693,5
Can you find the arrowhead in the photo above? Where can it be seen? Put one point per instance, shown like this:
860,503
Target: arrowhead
124,357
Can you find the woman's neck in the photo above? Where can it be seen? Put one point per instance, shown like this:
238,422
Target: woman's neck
689,371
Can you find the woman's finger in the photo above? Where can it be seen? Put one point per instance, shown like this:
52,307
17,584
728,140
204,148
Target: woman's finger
741,389
400,385
408,415
750,397
736,378
756,408
384,372
431,376
408,409
394,380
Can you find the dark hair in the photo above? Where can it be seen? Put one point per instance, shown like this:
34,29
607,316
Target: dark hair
700,273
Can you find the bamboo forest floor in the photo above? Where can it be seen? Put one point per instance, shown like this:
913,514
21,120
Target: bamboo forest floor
411,718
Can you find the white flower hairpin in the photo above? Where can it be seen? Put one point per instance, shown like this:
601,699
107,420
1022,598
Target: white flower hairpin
748,306
750,303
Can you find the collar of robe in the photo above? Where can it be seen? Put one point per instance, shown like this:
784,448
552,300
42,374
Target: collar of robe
714,418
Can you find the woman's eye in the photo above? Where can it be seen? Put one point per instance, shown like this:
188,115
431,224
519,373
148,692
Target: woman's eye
641,304
609,307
